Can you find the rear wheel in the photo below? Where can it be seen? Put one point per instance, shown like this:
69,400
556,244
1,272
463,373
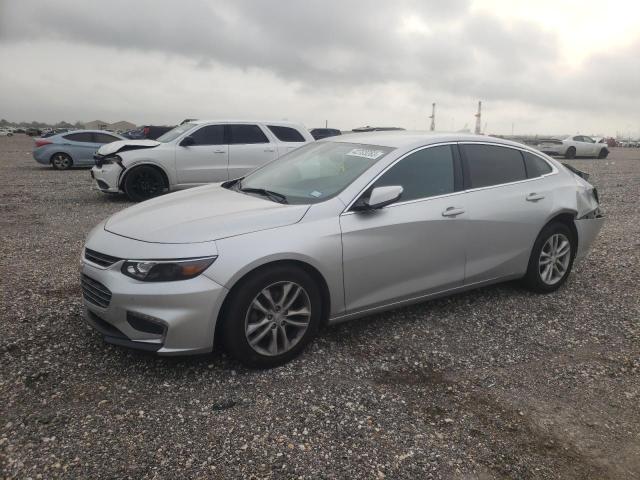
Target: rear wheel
551,258
61,161
143,183
271,316
603,153
570,153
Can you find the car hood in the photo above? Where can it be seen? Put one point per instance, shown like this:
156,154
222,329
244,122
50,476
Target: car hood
123,145
201,214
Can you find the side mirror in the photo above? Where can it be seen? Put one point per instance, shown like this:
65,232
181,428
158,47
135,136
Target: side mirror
187,142
380,197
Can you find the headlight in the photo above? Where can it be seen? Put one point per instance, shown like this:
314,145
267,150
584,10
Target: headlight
166,270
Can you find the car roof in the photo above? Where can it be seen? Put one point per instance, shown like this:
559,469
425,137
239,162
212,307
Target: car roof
236,120
409,139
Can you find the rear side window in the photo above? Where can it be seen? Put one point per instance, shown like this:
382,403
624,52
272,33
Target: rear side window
104,138
86,137
536,167
488,165
426,173
244,134
286,134
209,135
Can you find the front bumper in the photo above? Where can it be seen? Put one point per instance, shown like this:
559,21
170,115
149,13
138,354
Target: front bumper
107,177
170,318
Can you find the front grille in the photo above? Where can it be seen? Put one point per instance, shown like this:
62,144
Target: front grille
100,258
95,292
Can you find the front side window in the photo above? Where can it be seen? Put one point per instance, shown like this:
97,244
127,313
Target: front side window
315,171
286,134
488,165
246,134
588,139
536,166
84,137
209,135
425,173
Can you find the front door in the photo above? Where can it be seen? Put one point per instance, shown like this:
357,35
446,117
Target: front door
205,161
249,147
413,247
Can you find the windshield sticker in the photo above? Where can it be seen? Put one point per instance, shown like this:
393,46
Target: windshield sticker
366,153
316,194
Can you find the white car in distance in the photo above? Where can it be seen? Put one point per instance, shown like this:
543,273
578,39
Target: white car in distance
192,154
573,146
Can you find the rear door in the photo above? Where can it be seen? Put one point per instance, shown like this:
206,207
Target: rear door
81,146
413,247
289,138
506,210
249,147
205,161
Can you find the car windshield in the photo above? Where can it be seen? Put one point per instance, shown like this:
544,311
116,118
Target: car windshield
314,172
175,133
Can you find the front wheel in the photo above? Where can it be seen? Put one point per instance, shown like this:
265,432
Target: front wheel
551,258
143,183
603,153
271,316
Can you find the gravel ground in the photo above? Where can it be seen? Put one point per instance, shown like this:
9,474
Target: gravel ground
496,383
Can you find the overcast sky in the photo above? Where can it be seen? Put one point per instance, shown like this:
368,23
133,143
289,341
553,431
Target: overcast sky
549,66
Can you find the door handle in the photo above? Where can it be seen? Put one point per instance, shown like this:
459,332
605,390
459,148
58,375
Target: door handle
219,151
452,212
534,197
270,150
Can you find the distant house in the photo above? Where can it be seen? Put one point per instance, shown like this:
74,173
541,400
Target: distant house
96,125
122,125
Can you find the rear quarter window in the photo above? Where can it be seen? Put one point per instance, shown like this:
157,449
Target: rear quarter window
286,134
488,165
85,137
536,166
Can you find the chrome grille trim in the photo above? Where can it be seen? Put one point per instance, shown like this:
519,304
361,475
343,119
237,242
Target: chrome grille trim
100,258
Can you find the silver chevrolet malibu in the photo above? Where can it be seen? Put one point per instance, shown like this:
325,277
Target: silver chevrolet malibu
334,230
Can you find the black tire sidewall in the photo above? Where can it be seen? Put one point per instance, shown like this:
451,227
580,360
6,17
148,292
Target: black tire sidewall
130,178
571,153
55,167
233,326
532,278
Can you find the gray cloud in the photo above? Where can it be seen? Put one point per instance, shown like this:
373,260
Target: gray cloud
320,46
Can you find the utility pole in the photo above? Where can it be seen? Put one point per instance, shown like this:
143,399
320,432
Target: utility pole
478,118
433,117
326,123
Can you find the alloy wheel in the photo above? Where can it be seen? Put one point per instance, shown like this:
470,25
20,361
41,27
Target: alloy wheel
61,161
554,259
147,184
277,318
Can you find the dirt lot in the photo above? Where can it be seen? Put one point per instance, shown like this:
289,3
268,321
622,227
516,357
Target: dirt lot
496,383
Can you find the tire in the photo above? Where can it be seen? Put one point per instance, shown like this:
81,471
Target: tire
61,161
603,153
143,183
570,153
251,322
537,277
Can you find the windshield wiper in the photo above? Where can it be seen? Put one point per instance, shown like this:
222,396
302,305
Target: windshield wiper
275,196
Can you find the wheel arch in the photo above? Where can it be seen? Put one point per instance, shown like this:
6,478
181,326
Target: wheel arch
129,169
296,263
56,152
567,217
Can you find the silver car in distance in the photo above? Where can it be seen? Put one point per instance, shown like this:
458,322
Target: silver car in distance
334,230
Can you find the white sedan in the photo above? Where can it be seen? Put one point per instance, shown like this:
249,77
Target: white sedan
573,146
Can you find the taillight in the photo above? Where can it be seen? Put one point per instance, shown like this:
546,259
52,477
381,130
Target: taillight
41,142
145,131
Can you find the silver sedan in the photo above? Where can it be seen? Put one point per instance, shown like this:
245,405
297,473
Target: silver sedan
334,230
